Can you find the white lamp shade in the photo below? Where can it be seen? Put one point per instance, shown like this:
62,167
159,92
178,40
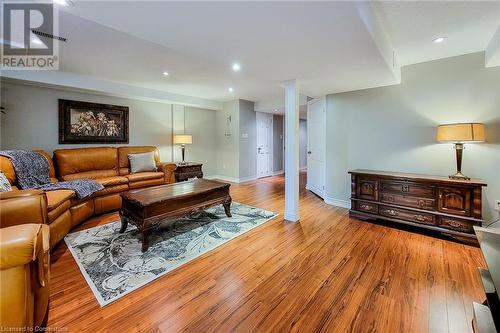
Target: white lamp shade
183,139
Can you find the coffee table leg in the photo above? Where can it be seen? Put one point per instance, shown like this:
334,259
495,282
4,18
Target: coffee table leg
124,223
227,208
145,239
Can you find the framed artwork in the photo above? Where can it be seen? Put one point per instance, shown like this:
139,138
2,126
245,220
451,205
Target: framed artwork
83,122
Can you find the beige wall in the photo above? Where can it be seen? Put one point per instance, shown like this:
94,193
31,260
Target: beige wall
31,121
393,128
228,146
248,140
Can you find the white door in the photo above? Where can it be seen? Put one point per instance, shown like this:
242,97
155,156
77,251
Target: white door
264,144
316,142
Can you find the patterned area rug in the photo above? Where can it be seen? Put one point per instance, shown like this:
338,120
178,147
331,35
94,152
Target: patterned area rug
114,265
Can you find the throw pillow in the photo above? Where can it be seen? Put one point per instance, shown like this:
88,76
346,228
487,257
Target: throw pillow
4,183
142,162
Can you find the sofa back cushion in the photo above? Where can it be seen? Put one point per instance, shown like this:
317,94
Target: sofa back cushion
8,169
123,153
90,163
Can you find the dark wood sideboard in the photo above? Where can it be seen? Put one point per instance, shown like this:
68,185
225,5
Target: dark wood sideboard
452,207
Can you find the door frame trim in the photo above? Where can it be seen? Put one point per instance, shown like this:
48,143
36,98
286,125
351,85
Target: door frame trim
271,147
322,100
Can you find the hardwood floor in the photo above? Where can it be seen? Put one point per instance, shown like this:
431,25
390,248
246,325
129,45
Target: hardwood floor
327,273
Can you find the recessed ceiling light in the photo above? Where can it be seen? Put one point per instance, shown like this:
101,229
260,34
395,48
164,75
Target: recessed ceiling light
438,40
230,89
236,67
66,3
275,110
165,73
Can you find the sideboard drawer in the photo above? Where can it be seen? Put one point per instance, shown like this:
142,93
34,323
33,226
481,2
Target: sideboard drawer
367,207
455,224
407,215
403,200
368,189
407,188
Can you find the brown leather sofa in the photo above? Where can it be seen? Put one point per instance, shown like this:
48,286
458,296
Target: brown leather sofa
60,209
29,218
24,276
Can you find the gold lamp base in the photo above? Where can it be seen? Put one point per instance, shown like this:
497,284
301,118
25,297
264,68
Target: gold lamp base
459,175
459,148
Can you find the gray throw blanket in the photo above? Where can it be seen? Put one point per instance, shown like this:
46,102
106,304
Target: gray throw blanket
32,172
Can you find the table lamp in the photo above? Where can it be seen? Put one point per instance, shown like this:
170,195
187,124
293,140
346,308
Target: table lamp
183,140
459,134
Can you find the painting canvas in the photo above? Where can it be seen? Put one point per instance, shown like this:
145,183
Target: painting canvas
83,122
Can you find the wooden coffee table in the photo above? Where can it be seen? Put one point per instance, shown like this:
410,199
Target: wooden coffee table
146,208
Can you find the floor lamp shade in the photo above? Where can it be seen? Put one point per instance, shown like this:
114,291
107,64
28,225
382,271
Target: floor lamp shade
458,134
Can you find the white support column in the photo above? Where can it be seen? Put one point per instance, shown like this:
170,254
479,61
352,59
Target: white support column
291,150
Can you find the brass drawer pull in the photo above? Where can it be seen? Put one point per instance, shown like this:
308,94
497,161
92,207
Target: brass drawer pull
366,207
420,218
392,212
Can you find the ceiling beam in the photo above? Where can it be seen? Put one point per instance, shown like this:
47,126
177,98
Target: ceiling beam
492,54
376,29
69,81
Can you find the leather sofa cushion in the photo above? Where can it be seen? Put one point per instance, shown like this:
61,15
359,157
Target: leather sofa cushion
94,174
111,181
81,163
123,152
56,198
111,190
58,210
147,183
140,176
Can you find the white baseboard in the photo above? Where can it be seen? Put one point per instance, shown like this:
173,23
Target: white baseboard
247,179
278,172
321,194
231,179
338,202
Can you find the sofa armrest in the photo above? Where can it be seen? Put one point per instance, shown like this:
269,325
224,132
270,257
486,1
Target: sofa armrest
22,244
168,169
24,275
20,207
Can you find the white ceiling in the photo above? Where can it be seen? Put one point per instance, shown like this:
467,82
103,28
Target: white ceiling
328,46
412,25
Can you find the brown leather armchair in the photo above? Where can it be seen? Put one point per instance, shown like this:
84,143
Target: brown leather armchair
24,276
19,207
